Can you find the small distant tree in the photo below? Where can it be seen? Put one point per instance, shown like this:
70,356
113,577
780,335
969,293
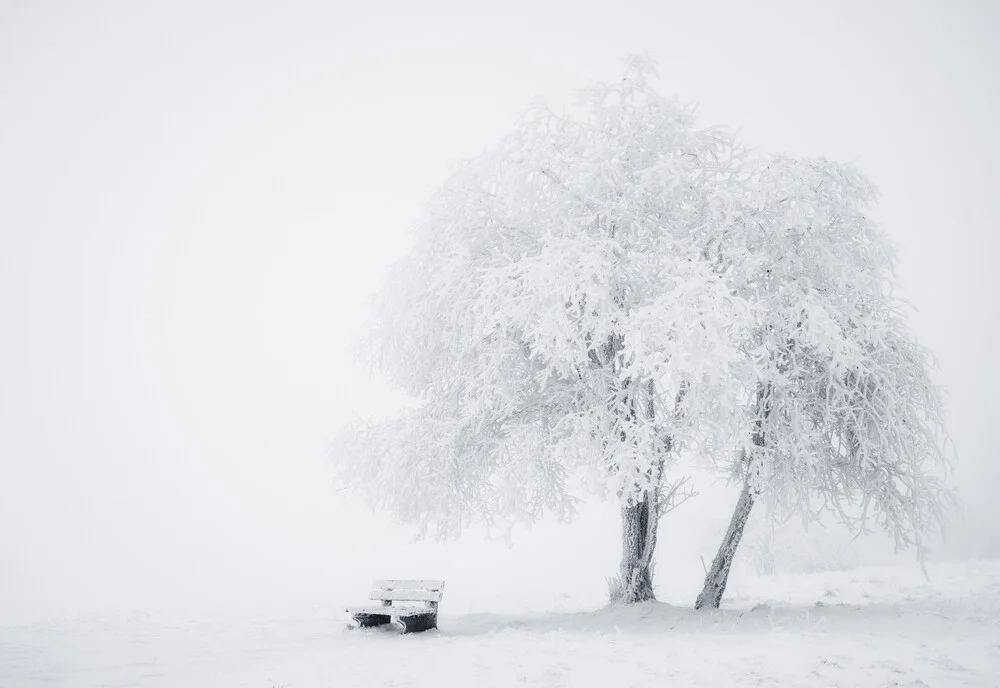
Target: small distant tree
557,328
842,415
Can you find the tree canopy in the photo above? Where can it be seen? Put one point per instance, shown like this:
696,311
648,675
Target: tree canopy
612,285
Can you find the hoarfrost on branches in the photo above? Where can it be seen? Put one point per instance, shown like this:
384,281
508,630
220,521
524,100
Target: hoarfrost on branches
555,321
612,285
844,417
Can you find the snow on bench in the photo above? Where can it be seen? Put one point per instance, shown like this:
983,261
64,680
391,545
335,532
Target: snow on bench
405,616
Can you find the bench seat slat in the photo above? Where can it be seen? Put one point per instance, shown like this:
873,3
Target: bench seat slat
409,584
392,611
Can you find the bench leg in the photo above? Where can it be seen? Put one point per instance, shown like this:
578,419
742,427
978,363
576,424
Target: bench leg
414,624
366,620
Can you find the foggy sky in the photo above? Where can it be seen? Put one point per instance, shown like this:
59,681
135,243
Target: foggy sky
197,197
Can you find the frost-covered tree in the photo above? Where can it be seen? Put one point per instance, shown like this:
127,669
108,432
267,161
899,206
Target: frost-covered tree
558,328
614,283
841,415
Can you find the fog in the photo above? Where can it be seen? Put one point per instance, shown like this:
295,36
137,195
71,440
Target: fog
197,198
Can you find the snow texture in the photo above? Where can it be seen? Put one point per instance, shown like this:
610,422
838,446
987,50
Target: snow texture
876,626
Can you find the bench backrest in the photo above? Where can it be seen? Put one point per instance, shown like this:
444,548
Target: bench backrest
389,591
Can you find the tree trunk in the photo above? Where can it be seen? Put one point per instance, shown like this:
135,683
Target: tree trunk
718,575
639,520
635,581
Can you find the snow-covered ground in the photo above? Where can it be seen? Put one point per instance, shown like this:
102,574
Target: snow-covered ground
873,626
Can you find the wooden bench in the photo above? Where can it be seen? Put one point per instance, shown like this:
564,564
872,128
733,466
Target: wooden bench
404,615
